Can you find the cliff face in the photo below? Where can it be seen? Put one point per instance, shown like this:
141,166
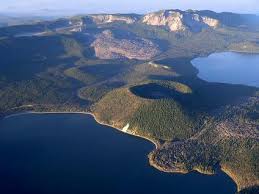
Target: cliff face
107,46
109,18
171,19
175,20
178,21
214,23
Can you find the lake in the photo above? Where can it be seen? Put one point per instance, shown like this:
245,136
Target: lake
229,67
72,154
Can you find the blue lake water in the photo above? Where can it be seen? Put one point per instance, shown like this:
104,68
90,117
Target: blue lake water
229,67
72,154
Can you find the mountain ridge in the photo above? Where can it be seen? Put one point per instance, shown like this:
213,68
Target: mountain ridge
187,18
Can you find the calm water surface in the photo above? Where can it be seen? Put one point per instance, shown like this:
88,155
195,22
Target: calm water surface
229,67
72,154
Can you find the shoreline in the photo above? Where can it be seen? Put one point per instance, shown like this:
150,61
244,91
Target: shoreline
157,145
152,162
244,52
232,176
178,170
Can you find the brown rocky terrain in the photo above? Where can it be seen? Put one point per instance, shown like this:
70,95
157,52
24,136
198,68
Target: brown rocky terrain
107,46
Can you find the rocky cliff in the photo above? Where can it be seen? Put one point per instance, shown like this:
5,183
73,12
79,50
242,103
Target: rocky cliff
178,21
109,18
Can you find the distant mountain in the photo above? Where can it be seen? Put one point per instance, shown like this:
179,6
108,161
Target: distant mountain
9,20
174,20
180,21
177,20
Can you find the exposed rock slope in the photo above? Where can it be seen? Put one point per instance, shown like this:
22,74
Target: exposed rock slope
107,46
177,20
109,18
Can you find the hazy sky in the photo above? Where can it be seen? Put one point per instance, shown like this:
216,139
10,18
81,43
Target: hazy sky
122,6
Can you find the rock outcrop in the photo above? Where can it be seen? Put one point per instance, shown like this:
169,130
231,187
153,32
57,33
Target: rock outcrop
214,23
109,18
178,21
107,46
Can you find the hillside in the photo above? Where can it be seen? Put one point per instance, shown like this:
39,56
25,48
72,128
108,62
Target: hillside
162,119
107,46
